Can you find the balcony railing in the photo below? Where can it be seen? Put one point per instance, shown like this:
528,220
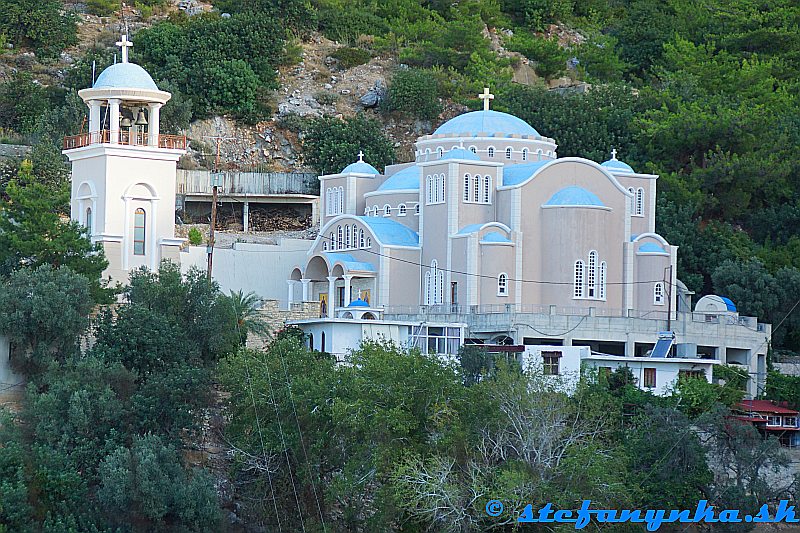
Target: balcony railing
126,138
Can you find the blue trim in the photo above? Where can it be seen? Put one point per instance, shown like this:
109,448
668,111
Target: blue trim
652,248
574,196
493,236
406,179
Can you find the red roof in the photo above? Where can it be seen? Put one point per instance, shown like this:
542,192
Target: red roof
764,406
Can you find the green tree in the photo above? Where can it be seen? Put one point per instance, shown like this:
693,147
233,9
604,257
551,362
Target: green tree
248,317
39,24
415,93
331,144
43,312
32,232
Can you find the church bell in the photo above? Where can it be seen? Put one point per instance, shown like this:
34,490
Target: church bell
141,120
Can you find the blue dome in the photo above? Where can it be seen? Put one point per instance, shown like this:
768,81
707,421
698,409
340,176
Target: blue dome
406,179
494,236
652,248
728,303
486,121
461,153
574,196
360,167
615,165
125,76
358,303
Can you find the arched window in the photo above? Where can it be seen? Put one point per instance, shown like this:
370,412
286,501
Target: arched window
434,284
524,154
476,189
89,221
440,151
577,291
387,210
640,201
491,151
602,280
328,208
508,153
502,284
139,226
361,239
658,293
341,200
591,275
473,149
322,346
333,242
310,341
401,210
375,210
339,238
441,188
366,211
324,245
355,235
369,242
347,236
428,189
487,187
466,187
428,288
539,154
440,287
416,209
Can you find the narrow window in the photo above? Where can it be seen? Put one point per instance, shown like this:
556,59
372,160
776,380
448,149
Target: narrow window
366,211
138,232
355,235
441,189
591,279
361,239
502,284
602,280
467,179
375,210
473,149
322,346
440,151
328,207
89,221
658,293
550,363
341,200
650,378
491,151
324,245
476,189
401,210
429,189
487,187
508,153
347,236
578,283
524,154
387,210
416,209
639,201
369,242
428,288
339,237
539,155
333,242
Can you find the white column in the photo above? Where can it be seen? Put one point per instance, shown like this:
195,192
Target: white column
126,235
305,283
290,283
94,116
246,215
331,295
113,120
153,124
347,279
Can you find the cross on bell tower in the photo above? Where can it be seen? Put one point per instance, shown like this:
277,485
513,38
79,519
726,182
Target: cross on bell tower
124,44
486,96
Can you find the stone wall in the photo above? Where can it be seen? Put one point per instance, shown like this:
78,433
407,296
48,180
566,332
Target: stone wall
276,317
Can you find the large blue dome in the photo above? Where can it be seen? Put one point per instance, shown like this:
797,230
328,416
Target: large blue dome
125,76
491,122
406,179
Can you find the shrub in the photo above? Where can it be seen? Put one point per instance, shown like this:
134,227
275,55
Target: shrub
549,57
195,237
39,24
101,8
326,97
414,92
331,143
351,57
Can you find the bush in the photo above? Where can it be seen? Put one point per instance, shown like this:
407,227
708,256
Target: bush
39,24
415,93
351,57
549,57
195,237
101,8
331,144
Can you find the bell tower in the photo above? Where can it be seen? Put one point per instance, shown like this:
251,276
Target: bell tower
124,170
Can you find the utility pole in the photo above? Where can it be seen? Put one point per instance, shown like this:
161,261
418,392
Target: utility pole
215,183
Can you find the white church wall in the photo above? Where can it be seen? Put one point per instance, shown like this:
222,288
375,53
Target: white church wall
260,268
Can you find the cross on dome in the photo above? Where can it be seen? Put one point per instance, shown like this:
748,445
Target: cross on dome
124,44
486,96
360,156
614,154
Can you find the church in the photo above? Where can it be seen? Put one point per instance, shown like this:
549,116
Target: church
486,237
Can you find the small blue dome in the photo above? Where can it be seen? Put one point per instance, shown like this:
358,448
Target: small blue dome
360,167
728,303
487,122
494,236
125,76
461,153
406,179
574,196
358,303
652,248
615,165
